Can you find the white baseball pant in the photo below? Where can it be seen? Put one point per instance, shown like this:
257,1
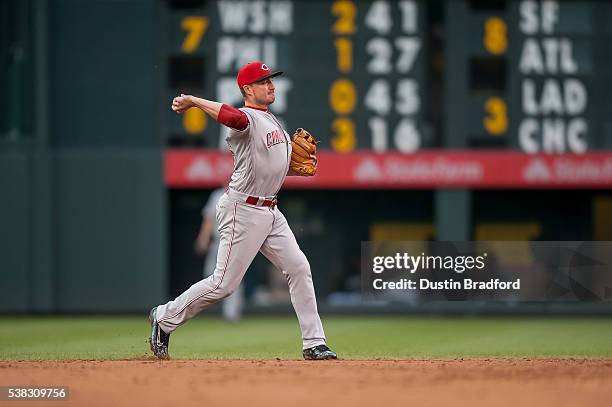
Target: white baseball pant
232,305
246,229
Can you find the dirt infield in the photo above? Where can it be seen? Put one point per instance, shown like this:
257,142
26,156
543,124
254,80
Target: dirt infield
470,382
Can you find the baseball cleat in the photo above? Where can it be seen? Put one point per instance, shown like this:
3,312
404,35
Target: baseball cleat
159,340
320,352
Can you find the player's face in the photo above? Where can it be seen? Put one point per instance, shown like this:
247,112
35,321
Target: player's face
263,92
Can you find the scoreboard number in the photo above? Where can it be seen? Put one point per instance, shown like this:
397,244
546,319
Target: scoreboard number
346,11
378,17
196,27
409,48
343,96
408,100
496,121
406,137
344,139
495,36
344,50
194,121
378,98
382,53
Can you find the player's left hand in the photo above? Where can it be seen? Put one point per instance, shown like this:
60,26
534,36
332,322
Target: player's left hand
182,103
303,154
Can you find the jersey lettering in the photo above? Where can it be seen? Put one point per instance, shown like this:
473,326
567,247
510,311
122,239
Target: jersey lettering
273,137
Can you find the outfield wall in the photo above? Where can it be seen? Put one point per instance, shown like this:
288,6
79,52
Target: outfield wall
88,222
82,231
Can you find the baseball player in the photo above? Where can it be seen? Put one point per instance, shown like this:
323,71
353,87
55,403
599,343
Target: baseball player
248,217
207,243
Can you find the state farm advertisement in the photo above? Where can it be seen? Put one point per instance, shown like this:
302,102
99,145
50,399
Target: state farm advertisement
426,169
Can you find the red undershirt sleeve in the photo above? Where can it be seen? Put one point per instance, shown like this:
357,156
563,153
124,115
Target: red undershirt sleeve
232,117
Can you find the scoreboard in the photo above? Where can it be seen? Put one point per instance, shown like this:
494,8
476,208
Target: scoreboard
438,119
397,87
535,74
355,71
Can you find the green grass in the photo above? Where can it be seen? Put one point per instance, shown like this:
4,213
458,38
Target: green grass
101,338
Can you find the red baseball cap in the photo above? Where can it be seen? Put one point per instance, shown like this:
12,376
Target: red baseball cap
254,72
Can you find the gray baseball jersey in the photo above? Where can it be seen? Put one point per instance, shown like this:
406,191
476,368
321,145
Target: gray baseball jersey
262,153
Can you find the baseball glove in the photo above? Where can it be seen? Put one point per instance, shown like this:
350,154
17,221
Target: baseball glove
303,154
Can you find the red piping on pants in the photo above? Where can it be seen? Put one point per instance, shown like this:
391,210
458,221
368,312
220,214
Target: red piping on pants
222,275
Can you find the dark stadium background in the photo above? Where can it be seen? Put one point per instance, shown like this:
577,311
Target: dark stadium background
92,221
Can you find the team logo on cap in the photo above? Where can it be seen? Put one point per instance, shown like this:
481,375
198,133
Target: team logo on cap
264,67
